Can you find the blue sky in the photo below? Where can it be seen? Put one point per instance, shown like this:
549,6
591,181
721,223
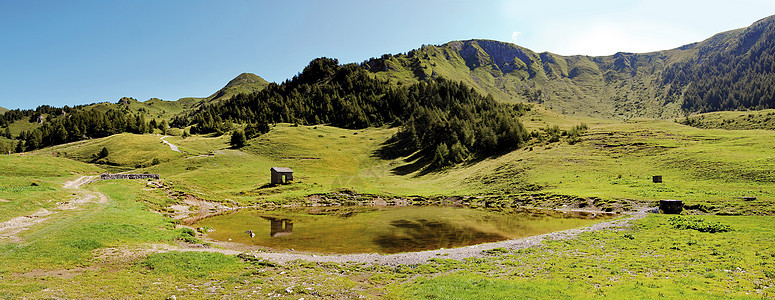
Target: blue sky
77,52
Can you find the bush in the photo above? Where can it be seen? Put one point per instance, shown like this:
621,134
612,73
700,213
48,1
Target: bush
698,224
103,153
238,139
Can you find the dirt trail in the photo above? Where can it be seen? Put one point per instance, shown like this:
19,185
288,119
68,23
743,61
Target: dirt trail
173,147
10,229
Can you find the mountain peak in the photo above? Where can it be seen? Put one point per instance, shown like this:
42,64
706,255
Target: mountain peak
246,78
243,83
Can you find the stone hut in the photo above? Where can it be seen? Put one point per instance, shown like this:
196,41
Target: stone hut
281,175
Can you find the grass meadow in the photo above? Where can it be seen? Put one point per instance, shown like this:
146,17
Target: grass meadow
111,250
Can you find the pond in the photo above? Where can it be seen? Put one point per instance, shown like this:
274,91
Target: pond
369,229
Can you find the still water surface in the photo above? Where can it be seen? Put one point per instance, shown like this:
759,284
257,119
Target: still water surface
365,229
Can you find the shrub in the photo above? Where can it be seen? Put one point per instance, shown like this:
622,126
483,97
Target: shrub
698,224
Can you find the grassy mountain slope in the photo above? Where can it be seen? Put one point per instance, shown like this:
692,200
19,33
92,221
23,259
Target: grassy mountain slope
153,108
624,85
3,109
126,151
244,83
613,161
733,120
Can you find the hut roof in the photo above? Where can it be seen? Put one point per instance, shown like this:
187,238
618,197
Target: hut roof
282,170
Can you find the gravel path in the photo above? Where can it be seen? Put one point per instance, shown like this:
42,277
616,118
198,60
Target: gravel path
411,258
173,147
10,229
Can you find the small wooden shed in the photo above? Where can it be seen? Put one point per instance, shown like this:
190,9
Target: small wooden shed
281,175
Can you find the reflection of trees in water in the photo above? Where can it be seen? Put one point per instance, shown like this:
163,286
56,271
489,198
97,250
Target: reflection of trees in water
279,227
415,235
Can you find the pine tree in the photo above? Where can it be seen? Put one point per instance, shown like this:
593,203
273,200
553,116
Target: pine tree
103,153
238,139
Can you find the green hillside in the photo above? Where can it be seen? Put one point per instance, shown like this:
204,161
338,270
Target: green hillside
245,83
733,120
3,109
130,243
663,84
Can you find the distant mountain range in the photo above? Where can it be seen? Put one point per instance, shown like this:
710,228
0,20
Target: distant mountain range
729,71
732,70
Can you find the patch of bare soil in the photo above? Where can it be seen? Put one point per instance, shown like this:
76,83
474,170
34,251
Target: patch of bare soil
10,229
130,254
194,209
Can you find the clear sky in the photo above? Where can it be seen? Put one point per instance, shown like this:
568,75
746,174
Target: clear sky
77,52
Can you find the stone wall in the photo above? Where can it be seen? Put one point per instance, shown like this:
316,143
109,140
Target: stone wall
128,176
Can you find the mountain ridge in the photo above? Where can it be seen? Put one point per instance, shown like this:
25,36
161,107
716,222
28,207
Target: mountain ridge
622,85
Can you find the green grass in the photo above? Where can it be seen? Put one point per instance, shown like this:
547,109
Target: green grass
22,125
733,120
191,264
126,151
68,237
611,165
31,182
651,259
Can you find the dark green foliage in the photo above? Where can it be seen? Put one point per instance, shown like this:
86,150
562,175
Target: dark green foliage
553,132
448,122
729,75
103,153
64,125
238,139
255,129
698,224
188,235
575,133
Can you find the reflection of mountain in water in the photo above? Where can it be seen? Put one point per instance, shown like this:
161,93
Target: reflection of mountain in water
279,227
417,235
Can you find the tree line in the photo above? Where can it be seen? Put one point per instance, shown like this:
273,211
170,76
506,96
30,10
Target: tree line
447,122
80,124
739,77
